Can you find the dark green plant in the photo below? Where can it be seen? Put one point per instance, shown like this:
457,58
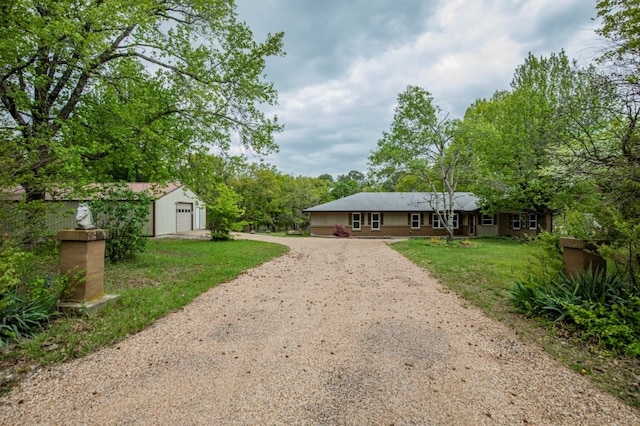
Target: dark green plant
27,297
616,326
604,307
23,316
124,213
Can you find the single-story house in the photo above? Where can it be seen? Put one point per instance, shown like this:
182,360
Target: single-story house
174,209
413,214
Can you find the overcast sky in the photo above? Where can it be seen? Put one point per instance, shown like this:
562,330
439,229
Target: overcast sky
347,60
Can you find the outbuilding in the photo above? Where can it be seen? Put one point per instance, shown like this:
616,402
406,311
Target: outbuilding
174,208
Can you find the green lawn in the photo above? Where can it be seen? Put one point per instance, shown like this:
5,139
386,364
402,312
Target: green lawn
482,271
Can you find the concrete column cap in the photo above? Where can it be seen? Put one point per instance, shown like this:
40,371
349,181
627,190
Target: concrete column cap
82,234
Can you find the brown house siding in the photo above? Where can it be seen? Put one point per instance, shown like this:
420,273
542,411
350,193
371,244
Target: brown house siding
505,229
393,224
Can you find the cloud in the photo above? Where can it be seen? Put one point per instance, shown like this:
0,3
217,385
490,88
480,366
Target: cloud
348,60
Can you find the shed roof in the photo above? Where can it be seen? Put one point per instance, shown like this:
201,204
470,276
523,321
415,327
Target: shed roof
154,190
397,202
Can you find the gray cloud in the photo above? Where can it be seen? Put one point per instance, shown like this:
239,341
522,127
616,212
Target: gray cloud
347,61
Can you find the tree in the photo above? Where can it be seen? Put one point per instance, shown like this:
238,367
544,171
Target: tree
125,88
517,135
421,143
298,194
349,184
259,187
604,144
224,213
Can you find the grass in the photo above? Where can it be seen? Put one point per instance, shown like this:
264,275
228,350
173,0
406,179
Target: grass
481,271
167,276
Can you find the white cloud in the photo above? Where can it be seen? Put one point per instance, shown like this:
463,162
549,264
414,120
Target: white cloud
338,86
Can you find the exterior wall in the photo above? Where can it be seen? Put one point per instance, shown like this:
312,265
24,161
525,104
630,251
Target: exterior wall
61,215
394,224
505,230
165,211
488,230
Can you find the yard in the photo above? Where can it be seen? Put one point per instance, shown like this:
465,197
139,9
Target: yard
482,270
166,277
171,273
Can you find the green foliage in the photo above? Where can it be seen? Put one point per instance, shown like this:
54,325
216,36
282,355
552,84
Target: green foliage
620,19
129,87
124,213
516,135
223,213
349,184
275,201
27,300
422,143
23,316
549,252
616,326
11,259
602,306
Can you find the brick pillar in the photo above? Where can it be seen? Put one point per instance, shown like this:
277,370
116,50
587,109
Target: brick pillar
578,258
82,258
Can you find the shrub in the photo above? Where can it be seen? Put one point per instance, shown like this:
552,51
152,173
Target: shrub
124,213
341,231
224,214
550,253
605,307
27,301
616,327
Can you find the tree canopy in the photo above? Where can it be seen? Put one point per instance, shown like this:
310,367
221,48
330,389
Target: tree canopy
123,90
421,144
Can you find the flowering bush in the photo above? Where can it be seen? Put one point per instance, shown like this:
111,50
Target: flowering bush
341,231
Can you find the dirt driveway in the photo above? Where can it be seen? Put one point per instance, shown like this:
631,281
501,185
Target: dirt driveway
334,332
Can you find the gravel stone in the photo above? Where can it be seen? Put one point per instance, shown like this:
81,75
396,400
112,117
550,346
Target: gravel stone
336,332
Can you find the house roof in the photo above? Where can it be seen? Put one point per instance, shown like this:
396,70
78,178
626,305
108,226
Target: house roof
397,202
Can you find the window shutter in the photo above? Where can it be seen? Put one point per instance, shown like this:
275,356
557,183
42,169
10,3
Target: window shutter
381,218
369,219
422,219
349,214
408,218
495,219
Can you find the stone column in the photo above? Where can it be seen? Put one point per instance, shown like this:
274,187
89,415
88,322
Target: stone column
82,258
578,257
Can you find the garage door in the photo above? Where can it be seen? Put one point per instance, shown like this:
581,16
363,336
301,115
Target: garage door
183,215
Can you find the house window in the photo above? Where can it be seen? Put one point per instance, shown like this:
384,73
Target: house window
516,221
533,221
415,220
437,224
487,220
375,221
356,221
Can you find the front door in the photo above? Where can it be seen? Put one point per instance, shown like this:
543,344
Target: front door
472,225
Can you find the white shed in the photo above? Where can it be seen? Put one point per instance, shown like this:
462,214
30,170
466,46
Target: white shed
175,209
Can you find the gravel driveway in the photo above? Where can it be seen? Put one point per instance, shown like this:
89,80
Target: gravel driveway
334,332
